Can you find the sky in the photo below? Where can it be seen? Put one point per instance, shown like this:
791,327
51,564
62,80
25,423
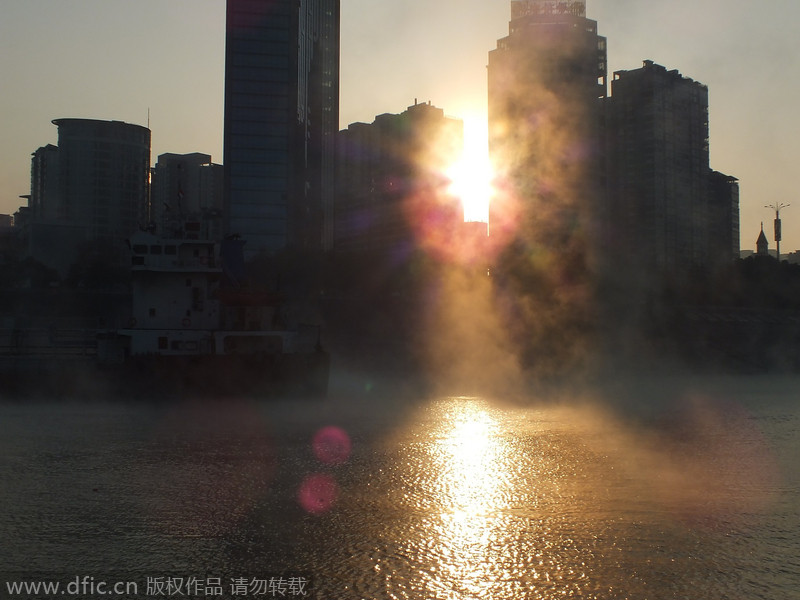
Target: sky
123,60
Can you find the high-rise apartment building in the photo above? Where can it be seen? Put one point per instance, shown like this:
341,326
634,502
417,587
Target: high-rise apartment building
104,171
547,80
660,181
97,177
93,187
723,218
281,121
391,182
44,203
184,185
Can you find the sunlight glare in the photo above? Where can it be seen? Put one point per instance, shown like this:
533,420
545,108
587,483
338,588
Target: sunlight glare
473,458
471,175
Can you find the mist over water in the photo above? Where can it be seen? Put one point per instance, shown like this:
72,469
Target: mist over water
522,438
661,487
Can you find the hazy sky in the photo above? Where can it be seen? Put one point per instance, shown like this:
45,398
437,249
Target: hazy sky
114,59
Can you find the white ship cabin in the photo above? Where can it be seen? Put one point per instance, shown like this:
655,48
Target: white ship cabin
178,311
175,294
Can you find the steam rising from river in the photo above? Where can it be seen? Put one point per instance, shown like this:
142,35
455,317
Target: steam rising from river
536,314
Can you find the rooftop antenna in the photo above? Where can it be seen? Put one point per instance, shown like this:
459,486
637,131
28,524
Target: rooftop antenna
148,117
777,208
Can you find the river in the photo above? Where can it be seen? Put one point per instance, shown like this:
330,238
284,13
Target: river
675,488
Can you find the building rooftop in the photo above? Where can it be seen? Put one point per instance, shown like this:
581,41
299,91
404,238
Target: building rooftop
649,66
523,8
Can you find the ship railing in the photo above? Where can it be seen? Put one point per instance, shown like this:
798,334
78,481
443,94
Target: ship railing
48,342
200,263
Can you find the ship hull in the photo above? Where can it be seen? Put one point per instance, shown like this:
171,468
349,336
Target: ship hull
162,377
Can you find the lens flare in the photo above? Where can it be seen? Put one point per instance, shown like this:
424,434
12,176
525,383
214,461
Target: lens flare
332,445
450,199
317,493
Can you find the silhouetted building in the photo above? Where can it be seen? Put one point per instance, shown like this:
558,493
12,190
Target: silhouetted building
92,187
391,195
281,120
660,178
104,172
183,185
22,217
44,200
9,239
546,80
723,219
762,244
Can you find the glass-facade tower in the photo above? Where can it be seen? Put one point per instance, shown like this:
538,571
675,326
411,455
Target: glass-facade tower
281,121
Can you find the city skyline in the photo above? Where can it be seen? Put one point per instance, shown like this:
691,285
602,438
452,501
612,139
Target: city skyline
173,65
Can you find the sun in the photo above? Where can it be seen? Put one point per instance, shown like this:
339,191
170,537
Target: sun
471,174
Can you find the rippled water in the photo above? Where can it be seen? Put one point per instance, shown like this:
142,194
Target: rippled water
694,495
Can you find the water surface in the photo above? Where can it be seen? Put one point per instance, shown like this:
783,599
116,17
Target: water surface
687,489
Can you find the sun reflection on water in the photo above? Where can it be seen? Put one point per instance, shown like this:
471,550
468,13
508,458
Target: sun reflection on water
539,502
471,452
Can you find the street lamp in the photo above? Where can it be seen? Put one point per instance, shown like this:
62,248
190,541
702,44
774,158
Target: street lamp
777,208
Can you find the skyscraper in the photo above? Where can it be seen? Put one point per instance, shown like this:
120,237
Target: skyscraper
103,175
92,187
547,79
547,82
281,121
659,177
44,200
